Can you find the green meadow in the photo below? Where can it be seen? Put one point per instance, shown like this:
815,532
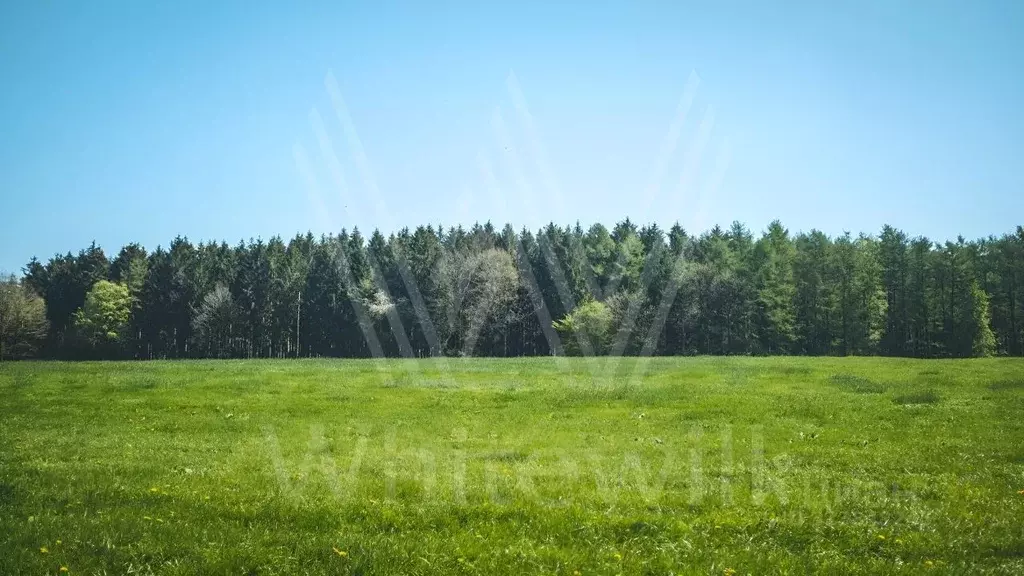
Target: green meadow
515,466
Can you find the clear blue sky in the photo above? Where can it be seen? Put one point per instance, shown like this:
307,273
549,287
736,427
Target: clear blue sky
143,120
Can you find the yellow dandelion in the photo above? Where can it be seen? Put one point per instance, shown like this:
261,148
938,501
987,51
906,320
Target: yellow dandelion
63,568
44,550
618,556
929,563
341,553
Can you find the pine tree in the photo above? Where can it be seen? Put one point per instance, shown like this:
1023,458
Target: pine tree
776,291
892,255
814,306
919,323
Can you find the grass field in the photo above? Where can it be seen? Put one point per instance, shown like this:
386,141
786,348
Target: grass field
698,466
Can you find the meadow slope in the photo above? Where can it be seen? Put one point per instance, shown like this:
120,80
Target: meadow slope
678,465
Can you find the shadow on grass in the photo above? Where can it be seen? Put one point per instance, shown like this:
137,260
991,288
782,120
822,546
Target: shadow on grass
792,370
576,395
406,380
6,493
1007,384
919,397
505,456
22,380
856,384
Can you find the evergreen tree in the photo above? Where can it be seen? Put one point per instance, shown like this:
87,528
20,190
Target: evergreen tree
919,314
776,290
161,295
892,254
479,291
814,305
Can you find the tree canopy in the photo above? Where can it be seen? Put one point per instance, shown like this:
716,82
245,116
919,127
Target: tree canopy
23,321
558,290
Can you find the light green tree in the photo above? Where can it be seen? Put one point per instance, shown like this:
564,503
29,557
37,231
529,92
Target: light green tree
588,325
984,341
104,317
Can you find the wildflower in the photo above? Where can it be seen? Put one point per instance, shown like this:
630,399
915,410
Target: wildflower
341,553
618,556
44,550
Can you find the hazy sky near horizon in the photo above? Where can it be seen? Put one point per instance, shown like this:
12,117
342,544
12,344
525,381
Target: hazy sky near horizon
141,121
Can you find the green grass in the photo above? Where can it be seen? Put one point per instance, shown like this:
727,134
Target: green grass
857,384
698,466
917,397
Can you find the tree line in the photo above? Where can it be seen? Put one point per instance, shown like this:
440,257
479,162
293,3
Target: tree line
559,290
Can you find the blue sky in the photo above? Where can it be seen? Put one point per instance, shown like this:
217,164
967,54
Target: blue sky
130,121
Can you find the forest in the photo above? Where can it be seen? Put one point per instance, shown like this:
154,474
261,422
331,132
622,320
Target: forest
481,291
